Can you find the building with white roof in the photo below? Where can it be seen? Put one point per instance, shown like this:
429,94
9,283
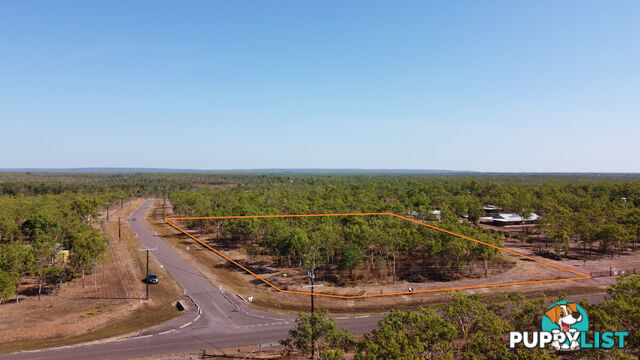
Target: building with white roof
503,219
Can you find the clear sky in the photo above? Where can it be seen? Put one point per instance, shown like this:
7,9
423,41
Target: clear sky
465,85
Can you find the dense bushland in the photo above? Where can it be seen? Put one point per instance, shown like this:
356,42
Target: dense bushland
40,213
34,228
602,217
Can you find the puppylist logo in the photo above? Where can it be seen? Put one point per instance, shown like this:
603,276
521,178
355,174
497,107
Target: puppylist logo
565,327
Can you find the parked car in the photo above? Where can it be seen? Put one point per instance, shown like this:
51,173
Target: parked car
152,279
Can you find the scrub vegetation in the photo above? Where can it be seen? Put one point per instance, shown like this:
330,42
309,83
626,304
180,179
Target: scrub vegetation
579,219
581,216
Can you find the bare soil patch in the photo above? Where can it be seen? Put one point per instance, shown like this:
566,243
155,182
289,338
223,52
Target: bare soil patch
603,268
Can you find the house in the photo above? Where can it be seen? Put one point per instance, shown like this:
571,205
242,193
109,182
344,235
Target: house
434,214
504,219
491,210
61,257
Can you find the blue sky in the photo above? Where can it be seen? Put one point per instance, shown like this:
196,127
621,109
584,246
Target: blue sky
475,85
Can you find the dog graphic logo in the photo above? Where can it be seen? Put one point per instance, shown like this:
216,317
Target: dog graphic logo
565,326
566,317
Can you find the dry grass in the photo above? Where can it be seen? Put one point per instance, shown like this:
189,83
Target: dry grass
240,352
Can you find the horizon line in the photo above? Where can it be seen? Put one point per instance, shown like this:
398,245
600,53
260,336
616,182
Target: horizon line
298,171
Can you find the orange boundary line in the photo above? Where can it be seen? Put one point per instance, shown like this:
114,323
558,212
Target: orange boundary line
168,221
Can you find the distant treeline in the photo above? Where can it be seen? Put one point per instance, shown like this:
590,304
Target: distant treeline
28,183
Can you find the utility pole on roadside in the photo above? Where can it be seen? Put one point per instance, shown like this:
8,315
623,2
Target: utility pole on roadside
146,279
312,277
119,233
164,203
95,280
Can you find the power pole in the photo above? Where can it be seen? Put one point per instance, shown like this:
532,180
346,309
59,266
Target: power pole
119,233
146,279
164,202
312,277
95,281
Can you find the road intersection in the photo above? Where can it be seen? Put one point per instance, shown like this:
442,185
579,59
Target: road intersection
216,320
219,323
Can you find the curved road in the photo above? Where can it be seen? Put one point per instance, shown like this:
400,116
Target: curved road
222,323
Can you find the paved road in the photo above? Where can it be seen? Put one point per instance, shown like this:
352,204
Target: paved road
221,324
